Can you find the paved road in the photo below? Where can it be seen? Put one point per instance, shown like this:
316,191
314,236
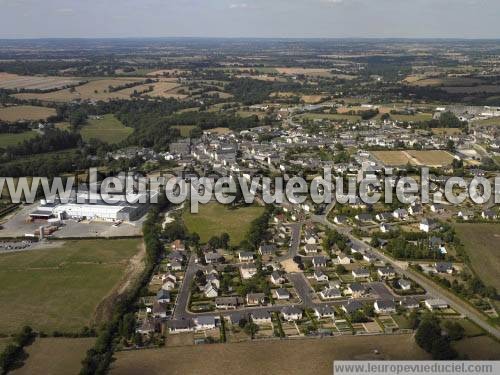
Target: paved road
437,291
303,288
180,308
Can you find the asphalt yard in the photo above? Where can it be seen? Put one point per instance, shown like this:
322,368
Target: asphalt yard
17,225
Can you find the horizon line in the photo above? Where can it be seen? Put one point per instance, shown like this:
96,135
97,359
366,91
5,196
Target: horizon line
368,38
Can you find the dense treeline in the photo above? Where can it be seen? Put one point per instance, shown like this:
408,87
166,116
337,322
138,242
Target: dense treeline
447,120
258,230
14,128
47,165
13,353
253,91
31,67
429,336
99,357
210,120
52,140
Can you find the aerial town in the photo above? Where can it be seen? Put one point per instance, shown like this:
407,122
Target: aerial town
138,282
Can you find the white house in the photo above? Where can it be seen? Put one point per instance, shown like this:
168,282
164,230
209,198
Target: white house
384,307
404,284
343,259
324,311
310,248
400,214
320,276
261,317
428,225
360,273
204,323
277,278
282,294
291,313
435,304
330,293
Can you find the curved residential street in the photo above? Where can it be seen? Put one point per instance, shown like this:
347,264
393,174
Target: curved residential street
432,288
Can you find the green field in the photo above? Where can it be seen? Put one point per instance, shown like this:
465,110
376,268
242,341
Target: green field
215,219
494,121
330,116
481,244
59,288
413,118
69,353
12,139
184,129
109,130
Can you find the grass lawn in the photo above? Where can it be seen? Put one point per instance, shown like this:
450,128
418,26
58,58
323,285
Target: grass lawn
68,351
418,117
4,341
109,130
479,348
12,139
481,244
402,321
63,125
215,219
60,288
330,116
495,121
184,129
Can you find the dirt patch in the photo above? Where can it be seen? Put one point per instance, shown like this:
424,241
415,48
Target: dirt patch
290,266
55,356
302,356
135,267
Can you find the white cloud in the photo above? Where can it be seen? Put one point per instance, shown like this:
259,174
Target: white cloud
65,10
238,6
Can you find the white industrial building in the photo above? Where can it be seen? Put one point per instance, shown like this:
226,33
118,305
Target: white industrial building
91,206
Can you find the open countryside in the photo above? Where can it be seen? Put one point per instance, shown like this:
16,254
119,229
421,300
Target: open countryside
481,243
25,112
272,357
55,356
106,129
65,284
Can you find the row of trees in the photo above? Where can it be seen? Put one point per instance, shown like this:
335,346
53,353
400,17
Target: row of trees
14,352
99,357
52,140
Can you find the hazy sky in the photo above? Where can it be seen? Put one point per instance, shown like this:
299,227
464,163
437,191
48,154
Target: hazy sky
250,18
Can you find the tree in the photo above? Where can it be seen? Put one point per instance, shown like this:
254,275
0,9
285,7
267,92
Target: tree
369,309
414,319
9,357
251,329
127,326
428,331
454,330
358,317
243,322
358,256
138,339
77,118
224,240
340,269
25,336
441,350
429,338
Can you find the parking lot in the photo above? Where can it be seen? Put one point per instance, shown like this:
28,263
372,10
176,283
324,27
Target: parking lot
16,224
